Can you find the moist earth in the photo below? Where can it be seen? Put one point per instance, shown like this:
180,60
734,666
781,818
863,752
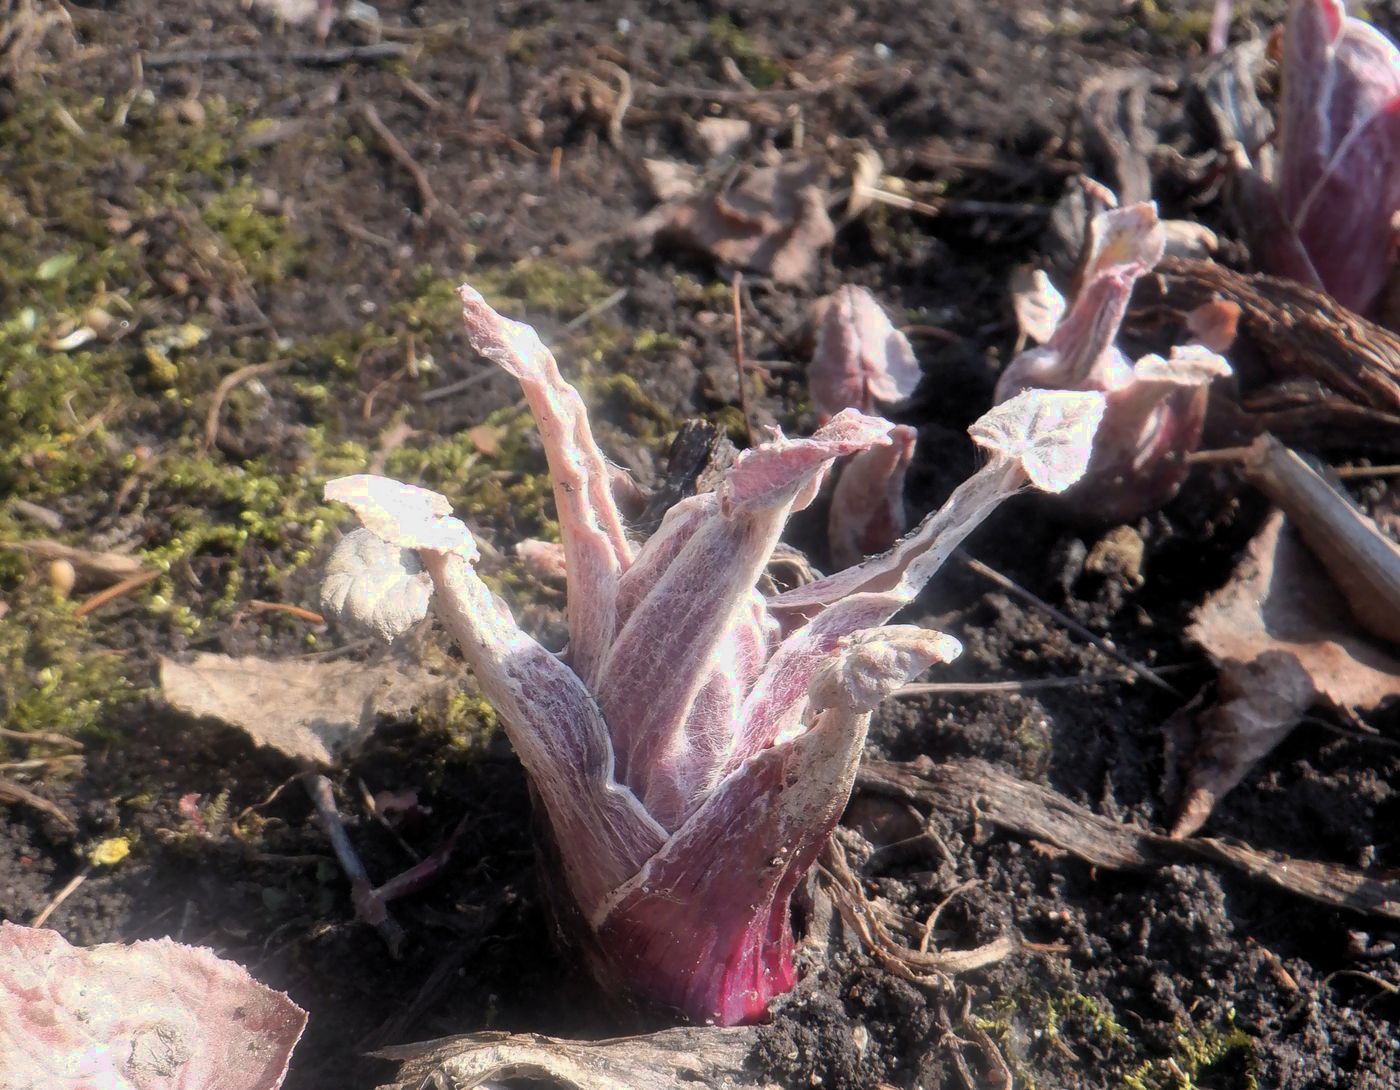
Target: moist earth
201,177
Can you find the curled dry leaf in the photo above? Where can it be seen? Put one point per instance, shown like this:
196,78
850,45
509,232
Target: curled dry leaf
310,711
708,1057
375,584
720,138
153,1015
770,220
1281,631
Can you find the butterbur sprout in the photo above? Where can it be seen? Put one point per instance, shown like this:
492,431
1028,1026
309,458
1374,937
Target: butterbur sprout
1155,407
696,742
1325,215
861,361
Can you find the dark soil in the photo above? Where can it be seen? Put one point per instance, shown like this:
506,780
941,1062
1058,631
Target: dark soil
1187,977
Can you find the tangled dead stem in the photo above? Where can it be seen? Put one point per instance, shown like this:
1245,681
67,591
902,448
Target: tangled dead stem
227,274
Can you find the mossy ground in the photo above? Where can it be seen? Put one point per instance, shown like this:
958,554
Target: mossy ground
163,227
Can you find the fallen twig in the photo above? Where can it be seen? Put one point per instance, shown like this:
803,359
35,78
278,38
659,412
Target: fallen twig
1298,330
226,386
118,590
951,206
1042,814
70,888
1362,561
428,203
738,307
1012,587
13,794
1029,685
316,58
596,309
256,605
369,906
45,737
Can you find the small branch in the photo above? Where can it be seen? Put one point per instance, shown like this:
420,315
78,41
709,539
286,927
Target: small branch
45,737
951,206
118,590
256,605
315,58
226,386
13,794
61,896
369,906
953,688
739,356
994,576
596,309
428,204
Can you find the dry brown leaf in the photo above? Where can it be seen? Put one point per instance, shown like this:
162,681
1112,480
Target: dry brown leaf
721,137
770,220
147,1016
692,1055
310,711
1282,633
670,180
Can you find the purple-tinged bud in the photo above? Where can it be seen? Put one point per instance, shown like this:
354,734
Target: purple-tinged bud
694,745
1155,408
1328,219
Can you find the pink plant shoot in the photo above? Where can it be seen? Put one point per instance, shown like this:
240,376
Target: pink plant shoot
695,743
1155,407
152,1015
862,361
1327,221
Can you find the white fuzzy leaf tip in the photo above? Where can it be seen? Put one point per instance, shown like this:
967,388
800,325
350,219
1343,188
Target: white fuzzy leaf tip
402,514
375,584
1049,432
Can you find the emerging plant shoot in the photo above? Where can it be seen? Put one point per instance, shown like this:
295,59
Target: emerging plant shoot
694,745
862,361
1155,407
1324,215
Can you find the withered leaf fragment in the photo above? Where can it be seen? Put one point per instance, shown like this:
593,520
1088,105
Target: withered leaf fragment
657,1061
312,711
152,1015
770,220
1281,632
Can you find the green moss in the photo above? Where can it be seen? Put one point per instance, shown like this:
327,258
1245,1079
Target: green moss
53,676
1189,25
538,286
758,67
1035,1028
1217,1056
652,340
263,242
618,400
